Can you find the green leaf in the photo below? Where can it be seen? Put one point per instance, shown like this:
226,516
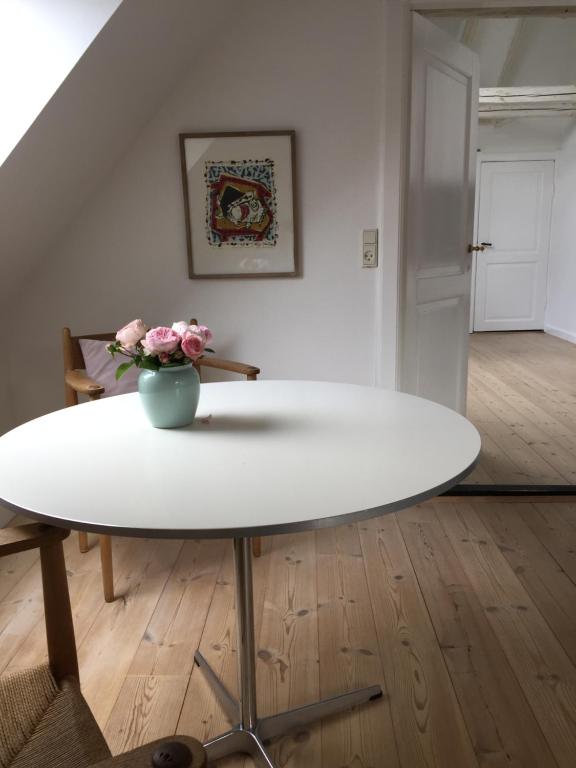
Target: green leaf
148,364
121,370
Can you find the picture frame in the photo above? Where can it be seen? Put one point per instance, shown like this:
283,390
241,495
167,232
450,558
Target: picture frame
239,204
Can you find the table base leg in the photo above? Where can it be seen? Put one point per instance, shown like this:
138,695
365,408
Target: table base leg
251,740
238,741
228,703
278,725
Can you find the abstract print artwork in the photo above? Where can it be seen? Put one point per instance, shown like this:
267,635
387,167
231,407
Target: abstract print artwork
239,204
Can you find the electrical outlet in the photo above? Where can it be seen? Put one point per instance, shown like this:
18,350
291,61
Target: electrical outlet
369,256
370,248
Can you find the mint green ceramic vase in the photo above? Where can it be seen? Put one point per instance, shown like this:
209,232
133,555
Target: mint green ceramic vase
170,396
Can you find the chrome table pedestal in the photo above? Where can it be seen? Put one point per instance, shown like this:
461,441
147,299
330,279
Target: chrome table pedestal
249,733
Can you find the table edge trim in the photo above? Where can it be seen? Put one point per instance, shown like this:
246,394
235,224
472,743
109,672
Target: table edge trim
248,532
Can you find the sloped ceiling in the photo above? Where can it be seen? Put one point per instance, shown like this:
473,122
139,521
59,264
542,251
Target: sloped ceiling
40,42
547,53
525,51
111,93
519,51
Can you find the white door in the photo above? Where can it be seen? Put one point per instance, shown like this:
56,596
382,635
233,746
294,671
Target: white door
515,206
439,218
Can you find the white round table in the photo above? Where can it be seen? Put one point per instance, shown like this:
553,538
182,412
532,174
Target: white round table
262,457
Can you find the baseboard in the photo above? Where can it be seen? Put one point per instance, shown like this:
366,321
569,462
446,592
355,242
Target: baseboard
562,334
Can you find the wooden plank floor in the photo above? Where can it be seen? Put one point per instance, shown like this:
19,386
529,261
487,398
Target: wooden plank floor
465,613
522,399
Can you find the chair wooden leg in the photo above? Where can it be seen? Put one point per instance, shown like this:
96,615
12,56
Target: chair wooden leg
83,541
57,613
257,546
107,568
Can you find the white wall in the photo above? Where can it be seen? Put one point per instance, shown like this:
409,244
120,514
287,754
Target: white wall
40,41
527,134
6,401
5,517
315,67
6,412
561,309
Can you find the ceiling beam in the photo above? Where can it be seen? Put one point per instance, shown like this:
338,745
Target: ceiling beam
502,12
539,101
528,91
508,114
515,50
468,32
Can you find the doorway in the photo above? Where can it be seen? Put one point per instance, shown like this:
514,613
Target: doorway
513,222
522,363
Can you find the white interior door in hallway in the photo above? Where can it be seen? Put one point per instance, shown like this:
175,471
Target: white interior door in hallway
515,207
439,218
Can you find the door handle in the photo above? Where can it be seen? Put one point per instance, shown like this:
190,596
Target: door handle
488,245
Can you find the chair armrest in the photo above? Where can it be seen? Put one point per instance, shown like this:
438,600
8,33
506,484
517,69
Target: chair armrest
82,383
141,757
229,365
23,537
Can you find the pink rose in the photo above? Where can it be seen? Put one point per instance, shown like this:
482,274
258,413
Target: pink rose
131,334
203,331
160,340
207,333
181,328
192,345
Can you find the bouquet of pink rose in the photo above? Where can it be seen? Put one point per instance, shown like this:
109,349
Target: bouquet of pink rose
155,348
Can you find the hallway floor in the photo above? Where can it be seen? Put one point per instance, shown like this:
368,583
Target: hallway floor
522,398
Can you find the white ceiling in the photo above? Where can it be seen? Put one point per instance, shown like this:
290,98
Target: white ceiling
76,140
519,51
40,42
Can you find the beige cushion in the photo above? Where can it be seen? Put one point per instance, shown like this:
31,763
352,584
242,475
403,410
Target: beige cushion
43,726
101,367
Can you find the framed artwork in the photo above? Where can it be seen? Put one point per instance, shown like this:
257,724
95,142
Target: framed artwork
239,204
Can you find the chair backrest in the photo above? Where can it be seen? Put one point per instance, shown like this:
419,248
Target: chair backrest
73,357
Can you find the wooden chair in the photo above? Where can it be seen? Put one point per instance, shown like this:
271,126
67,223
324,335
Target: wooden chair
45,721
76,381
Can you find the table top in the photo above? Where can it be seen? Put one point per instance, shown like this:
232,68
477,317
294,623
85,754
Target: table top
262,457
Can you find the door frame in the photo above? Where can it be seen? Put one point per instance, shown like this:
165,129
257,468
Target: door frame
396,129
502,157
